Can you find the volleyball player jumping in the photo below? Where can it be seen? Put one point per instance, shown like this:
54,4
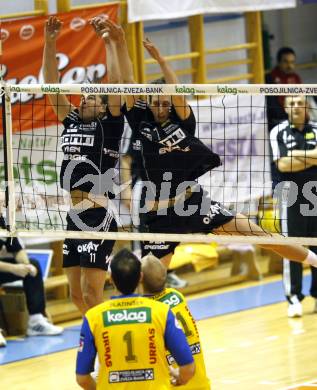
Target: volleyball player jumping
173,158
90,143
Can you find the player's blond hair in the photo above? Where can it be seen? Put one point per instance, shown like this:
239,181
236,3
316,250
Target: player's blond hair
154,274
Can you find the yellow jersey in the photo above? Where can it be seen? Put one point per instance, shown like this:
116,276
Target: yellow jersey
129,333
177,303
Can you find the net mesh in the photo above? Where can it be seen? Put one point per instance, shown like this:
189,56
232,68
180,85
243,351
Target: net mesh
231,121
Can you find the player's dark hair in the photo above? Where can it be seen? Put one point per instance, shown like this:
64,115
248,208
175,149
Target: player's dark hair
161,80
104,99
98,80
125,271
284,51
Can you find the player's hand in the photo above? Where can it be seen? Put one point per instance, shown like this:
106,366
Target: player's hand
21,270
116,32
174,373
52,29
98,24
153,50
32,270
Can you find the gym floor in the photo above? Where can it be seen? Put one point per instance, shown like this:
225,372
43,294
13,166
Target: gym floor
248,342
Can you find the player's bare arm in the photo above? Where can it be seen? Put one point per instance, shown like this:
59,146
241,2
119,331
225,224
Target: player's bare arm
306,156
86,382
117,35
292,164
60,103
126,179
112,63
181,106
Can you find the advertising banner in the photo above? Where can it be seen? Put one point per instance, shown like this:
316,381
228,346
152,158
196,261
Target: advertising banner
81,57
140,10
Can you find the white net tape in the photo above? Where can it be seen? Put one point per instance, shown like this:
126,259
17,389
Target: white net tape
166,89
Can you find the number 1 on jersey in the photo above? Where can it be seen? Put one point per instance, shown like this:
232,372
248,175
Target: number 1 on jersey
130,357
181,319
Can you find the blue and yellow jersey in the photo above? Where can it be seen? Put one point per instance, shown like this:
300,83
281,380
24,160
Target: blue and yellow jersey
130,333
177,303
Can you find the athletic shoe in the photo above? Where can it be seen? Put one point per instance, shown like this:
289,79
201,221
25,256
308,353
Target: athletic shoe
3,341
295,310
42,327
172,280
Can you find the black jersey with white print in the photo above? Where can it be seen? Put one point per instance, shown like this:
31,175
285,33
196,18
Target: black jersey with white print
169,147
91,150
285,138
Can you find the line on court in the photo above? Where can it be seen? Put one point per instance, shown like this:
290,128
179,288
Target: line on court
241,299
206,307
302,386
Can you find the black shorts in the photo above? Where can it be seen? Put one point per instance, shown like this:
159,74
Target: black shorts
89,253
206,216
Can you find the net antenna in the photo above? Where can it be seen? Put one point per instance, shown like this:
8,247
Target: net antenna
9,190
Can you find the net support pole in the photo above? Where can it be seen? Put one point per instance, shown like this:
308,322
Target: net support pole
41,5
197,44
8,161
140,52
254,34
64,5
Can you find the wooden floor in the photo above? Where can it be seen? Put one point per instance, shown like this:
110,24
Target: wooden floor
261,348
250,350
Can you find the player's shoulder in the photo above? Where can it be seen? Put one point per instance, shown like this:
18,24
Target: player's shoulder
138,105
279,128
158,307
171,297
141,104
313,124
155,303
73,115
96,310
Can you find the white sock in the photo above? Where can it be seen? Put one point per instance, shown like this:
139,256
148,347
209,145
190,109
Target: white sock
311,259
35,318
97,365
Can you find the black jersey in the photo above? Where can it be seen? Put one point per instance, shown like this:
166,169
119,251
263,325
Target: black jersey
169,147
90,149
12,245
284,138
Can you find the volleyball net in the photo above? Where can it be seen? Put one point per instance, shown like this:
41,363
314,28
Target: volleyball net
230,119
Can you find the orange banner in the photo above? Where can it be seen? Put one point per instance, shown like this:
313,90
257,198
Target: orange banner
81,56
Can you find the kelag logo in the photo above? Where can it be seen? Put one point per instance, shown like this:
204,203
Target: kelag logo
172,299
140,315
226,90
185,89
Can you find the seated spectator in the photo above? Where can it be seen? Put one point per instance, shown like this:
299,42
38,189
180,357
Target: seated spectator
15,265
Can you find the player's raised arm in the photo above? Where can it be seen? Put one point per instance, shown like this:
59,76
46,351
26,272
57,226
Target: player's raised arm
179,101
126,68
112,64
60,103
